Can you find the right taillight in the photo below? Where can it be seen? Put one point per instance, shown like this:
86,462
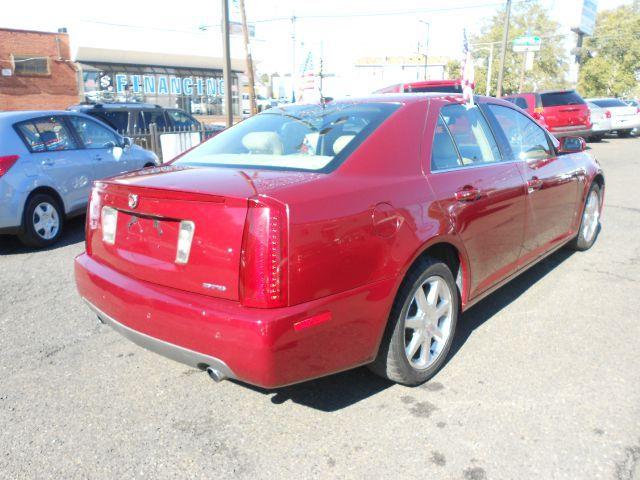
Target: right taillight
264,267
7,162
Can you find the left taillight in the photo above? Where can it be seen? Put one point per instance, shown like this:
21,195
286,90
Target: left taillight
607,114
6,162
264,266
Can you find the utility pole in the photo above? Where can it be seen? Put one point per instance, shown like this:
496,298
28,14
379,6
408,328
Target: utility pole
503,54
247,52
524,68
226,66
489,69
426,46
293,58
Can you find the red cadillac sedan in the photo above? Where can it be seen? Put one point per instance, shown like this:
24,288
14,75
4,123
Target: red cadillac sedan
312,239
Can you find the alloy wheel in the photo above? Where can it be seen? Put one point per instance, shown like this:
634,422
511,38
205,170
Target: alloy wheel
591,216
427,323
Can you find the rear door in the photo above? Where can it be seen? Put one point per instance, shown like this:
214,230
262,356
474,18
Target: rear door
484,195
103,147
551,180
60,159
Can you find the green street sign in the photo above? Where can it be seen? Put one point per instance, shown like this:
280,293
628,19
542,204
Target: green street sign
527,43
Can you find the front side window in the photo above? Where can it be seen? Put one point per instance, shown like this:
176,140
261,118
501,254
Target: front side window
46,135
93,135
298,137
471,134
527,140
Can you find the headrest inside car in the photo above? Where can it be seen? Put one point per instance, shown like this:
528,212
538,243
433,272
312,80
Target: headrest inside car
341,142
266,143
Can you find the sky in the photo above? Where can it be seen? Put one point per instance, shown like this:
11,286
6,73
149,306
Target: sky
391,28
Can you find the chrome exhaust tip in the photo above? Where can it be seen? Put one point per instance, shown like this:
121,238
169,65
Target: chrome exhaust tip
216,375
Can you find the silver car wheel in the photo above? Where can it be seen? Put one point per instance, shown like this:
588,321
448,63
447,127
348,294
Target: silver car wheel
591,216
46,221
427,323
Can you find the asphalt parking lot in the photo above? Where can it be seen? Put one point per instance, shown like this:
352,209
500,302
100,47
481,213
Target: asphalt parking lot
544,382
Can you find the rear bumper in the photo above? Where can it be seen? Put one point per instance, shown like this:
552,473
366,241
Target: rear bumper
574,131
264,347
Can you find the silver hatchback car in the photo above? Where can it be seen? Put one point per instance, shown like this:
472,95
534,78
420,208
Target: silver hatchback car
48,161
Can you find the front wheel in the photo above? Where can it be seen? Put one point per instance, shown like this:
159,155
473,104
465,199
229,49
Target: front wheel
590,223
421,326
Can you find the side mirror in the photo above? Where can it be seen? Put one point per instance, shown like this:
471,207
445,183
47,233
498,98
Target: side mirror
126,142
572,145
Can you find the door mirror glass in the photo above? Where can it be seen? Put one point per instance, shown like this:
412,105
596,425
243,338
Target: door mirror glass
572,145
126,142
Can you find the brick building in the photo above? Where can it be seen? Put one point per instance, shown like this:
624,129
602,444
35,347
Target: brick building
36,71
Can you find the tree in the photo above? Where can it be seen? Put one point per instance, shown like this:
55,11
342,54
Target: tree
611,57
550,64
453,69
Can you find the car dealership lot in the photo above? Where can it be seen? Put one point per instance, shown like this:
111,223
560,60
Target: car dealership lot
544,382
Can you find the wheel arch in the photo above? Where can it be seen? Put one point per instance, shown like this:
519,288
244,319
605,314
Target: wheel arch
45,190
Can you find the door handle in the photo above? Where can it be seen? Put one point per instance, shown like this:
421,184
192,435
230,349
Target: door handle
47,162
467,194
534,184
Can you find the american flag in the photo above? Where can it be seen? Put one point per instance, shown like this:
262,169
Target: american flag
468,76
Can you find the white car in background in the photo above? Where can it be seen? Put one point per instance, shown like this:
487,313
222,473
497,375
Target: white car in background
600,121
624,118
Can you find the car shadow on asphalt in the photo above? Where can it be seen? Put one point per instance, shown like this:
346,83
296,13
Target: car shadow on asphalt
342,390
73,233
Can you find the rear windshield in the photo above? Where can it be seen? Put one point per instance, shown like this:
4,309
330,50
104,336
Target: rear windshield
435,89
554,99
609,102
295,137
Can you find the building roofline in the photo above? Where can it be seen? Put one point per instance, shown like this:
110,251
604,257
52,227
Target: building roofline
18,30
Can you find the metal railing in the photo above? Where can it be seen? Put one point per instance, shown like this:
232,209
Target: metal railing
176,141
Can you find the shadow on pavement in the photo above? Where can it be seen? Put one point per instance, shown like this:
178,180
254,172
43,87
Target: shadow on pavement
335,392
73,233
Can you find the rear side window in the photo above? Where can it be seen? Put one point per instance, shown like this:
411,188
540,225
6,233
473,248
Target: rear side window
471,134
609,102
157,117
117,120
555,99
48,134
526,139
444,155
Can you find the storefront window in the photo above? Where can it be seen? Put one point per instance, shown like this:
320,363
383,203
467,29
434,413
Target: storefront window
200,91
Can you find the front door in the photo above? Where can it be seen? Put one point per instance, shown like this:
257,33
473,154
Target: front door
551,180
483,195
103,148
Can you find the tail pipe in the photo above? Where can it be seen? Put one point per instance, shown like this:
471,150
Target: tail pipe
216,375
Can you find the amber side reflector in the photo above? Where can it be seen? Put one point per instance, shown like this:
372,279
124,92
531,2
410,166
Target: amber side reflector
312,321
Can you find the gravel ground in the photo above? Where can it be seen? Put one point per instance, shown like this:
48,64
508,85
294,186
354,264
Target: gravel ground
544,382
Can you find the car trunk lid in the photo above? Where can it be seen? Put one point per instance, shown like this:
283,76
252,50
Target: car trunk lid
152,205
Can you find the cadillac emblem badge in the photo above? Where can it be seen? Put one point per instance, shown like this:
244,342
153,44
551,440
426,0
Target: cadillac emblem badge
133,200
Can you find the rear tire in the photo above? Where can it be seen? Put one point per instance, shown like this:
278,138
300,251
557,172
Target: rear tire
421,325
42,221
596,138
590,223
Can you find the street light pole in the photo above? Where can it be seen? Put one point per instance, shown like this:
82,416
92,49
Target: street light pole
503,54
226,66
